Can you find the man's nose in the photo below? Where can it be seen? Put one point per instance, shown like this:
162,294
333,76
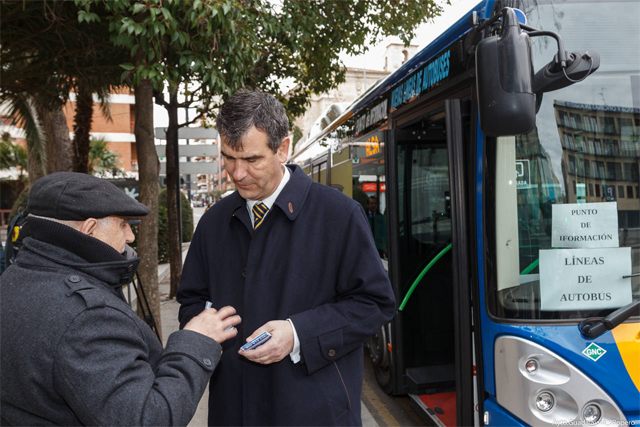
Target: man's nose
129,237
239,171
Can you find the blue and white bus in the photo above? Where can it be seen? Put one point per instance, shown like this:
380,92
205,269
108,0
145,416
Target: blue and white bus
505,161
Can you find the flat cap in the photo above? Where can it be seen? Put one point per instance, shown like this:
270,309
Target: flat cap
77,196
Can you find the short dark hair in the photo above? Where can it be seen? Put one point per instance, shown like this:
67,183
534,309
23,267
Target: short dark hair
250,108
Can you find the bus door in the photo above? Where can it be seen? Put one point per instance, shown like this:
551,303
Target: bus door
431,357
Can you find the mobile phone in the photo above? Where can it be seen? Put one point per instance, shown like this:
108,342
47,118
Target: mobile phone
209,305
257,341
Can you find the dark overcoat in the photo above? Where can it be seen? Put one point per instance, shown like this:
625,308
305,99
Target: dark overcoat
312,260
73,351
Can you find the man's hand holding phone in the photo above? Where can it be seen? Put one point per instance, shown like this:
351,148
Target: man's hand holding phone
274,349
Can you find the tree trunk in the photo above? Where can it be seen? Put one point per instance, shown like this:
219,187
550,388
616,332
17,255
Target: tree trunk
34,163
148,183
82,127
173,197
59,149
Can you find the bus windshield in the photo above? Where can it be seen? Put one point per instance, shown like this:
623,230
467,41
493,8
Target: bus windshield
565,233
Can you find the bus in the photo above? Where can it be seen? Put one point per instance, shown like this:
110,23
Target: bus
503,163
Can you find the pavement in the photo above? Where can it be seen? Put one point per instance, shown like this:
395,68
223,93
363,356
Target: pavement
169,318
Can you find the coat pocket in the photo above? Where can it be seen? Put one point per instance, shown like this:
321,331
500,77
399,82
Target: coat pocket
337,395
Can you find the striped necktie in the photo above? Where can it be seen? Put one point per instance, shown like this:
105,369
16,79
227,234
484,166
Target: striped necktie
259,211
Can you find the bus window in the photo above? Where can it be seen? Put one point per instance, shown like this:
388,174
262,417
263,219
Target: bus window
566,222
369,185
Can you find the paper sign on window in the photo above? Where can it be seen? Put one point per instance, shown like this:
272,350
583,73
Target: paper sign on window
585,225
584,279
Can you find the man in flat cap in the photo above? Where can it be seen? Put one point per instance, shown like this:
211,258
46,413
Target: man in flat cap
72,351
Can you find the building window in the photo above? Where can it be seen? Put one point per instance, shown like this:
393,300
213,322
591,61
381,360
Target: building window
591,190
568,141
587,169
611,147
598,146
609,125
597,190
572,165
626,127
629,192
576,122
614,171
630,148
621,191
581,166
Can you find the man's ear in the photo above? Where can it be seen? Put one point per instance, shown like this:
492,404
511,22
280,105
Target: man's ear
89,226
283,150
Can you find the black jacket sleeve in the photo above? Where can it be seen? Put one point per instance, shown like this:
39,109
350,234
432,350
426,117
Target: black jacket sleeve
102,370
364,300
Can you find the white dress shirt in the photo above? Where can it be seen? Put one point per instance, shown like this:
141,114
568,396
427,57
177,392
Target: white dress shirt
269,201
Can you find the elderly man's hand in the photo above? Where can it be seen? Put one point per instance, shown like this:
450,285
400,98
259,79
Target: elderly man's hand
216,324
277,348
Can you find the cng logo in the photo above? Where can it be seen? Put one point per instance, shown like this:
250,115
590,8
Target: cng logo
594,351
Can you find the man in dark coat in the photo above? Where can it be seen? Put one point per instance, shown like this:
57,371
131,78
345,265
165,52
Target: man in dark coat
296,259
72,350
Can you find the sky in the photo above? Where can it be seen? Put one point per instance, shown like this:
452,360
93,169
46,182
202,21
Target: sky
425,34
372,60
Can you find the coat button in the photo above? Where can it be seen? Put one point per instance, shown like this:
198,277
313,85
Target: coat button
130,268
74,279
331,353
244,272
206,361
290,207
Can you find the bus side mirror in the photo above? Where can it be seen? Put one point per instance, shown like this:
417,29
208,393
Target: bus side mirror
504,80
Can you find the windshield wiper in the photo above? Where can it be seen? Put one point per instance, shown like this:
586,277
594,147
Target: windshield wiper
594,327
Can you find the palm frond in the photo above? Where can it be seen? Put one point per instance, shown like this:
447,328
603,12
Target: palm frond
105,105
21,108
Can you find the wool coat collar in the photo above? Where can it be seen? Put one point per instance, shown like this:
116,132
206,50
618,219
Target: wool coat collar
53,245
291,200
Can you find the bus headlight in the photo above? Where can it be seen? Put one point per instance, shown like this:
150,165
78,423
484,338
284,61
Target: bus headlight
545,401
592,414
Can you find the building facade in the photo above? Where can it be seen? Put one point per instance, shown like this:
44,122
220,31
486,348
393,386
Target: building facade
118,130
357,82
601,151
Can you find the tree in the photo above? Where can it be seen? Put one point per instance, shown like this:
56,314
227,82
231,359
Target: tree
297,136
101,159
49,50
12,155
208,49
